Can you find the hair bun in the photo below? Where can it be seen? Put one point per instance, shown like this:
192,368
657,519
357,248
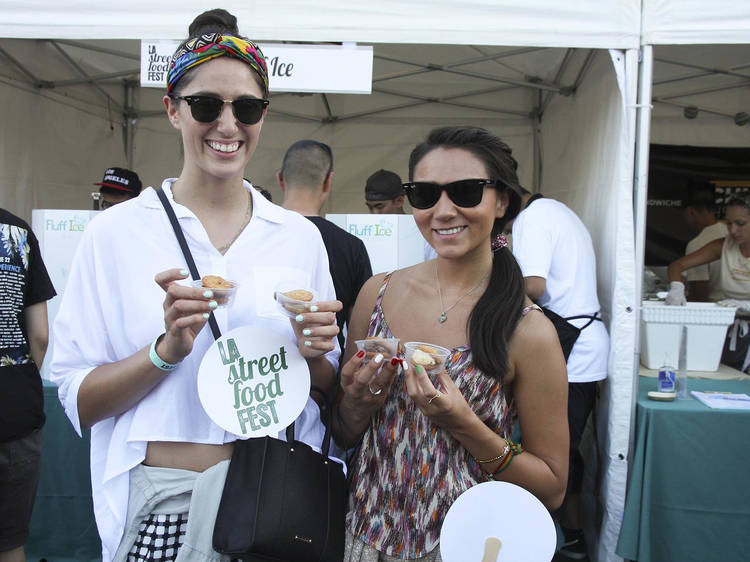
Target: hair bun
217,20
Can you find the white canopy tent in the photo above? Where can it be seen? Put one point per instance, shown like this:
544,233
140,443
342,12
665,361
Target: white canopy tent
558,82
695,56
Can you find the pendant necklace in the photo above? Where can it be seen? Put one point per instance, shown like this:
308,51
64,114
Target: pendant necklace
248,214
444,311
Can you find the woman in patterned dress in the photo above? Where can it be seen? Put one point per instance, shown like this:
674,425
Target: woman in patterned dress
423,441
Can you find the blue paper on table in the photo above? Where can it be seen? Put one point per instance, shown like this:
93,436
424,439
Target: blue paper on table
723,400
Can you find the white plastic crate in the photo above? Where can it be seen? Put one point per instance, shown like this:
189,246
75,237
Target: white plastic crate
661,325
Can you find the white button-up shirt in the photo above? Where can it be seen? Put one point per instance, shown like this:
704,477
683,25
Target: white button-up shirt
112,308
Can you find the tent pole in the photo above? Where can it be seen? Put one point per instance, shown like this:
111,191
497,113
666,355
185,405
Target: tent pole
536,179
129,114
640,201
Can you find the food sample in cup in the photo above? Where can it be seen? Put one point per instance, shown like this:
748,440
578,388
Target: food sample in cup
223,289
428,355
372,346
216,282
294,299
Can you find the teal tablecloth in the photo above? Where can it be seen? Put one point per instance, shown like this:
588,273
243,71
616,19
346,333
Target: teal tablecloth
688,496
62,524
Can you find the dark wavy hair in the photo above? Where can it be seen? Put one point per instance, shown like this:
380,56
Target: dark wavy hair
496,314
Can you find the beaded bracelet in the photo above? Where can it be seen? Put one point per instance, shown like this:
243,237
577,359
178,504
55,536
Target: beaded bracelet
515,449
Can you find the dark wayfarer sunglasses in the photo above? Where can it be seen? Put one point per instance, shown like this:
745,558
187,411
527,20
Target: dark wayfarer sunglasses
206,109
464,193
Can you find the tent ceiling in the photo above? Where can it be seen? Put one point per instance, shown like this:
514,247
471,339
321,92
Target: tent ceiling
419,81
713,79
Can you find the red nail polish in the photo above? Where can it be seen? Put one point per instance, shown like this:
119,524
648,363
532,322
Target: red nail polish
395,361
360,354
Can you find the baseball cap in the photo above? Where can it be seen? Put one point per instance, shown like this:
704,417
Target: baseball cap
121,179
383,185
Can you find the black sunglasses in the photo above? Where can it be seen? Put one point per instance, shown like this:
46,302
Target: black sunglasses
206,109
464,193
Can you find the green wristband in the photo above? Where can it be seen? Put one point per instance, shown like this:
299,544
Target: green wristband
158,362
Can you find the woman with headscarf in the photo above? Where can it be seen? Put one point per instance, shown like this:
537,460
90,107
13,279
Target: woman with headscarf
126,356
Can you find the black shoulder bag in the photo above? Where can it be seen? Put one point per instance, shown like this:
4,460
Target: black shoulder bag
282,501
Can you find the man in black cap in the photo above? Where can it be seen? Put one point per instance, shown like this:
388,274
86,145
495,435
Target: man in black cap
384,194
118,185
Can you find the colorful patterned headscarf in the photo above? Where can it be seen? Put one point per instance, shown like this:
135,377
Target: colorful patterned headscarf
211,45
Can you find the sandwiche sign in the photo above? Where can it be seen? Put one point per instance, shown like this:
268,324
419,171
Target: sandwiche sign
253,381
326,69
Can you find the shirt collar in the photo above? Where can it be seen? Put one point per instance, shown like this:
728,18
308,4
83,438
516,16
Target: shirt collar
262,207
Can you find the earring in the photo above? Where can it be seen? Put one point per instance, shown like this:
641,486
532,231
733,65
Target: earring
498,241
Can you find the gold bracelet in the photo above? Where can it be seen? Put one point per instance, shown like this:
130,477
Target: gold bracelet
502,455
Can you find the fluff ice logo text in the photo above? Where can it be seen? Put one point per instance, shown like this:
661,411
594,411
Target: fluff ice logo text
383,228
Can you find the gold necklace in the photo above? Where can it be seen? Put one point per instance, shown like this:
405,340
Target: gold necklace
444,311
248,214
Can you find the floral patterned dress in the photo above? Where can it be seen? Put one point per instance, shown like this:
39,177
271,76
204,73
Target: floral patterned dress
409,471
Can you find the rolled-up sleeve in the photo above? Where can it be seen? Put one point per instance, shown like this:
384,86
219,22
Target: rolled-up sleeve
79,330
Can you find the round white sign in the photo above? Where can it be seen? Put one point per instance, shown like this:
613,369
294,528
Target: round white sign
497,521
253,381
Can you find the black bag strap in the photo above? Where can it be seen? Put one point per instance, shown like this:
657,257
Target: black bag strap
186,252
326,445
591,318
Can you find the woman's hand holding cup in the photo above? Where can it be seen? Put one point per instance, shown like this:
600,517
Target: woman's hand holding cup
316,330
368,382
186,310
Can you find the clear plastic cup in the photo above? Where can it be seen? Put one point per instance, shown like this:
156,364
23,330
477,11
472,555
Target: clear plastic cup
286,296
430,356
224,296
372,346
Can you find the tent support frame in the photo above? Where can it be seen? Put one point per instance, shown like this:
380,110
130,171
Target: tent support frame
640,205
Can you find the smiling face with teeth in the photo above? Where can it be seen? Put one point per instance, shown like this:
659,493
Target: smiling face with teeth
220,149
453,231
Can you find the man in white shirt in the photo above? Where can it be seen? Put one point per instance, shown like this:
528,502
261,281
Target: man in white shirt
699,212
556,256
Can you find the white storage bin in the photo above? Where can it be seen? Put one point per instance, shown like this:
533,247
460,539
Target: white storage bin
661,325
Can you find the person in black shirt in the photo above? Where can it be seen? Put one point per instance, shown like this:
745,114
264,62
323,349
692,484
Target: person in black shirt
305,178
25,287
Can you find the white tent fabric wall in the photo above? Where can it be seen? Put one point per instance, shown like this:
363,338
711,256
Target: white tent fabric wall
694,22
545,23
361,147
53,152
42,163
588,164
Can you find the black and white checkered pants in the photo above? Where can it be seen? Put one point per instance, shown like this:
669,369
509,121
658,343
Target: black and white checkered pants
159,538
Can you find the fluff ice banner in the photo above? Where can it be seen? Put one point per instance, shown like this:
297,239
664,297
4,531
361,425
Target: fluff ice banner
253,381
